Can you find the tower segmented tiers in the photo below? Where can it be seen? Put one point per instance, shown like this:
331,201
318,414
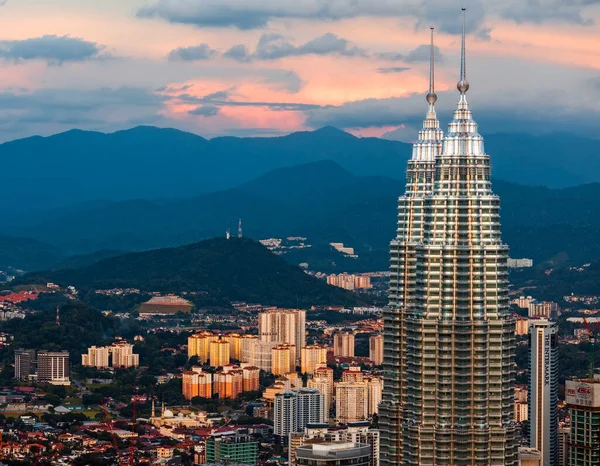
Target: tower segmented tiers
449,339
411,207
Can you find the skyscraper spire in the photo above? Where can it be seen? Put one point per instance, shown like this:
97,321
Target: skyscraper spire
463,84
448,334
432,97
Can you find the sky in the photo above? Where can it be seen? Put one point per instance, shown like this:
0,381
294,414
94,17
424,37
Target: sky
271,67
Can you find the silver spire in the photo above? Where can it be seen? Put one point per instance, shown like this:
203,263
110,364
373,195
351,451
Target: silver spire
463,84
432,97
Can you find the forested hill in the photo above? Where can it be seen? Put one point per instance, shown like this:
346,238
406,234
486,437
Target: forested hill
219,269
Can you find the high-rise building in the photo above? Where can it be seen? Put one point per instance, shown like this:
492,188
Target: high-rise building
323,380
356,432
235,345
53,367
311,357
97,357
199,345
251,377
219,353
123,355
196,383
229,382
529,457
24,363
119,354
522,326
335,453
564,438
258,353
543,390
343,344
232,447
283,359
351,401
583,400
449,344
283,326
294,410
376,349
353,374
374,392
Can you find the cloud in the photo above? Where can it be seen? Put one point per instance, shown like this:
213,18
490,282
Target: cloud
396,69
198,52
444,15
422,54
389,56
206,111
239,53
51,48
275,46
283,80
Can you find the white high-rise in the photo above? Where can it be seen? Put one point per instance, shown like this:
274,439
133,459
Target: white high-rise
284,326
294,410
449,344
543,390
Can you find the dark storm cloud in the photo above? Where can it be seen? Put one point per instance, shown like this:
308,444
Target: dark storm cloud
198,52
53,49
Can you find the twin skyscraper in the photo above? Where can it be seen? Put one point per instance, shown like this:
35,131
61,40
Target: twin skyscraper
449,344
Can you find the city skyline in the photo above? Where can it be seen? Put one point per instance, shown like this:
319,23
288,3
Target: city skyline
239,68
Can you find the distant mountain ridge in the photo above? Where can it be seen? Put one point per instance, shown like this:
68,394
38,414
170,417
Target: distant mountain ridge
219,270
325,203
67,169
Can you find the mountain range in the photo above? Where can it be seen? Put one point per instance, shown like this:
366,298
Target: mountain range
43,177
217,270
321,201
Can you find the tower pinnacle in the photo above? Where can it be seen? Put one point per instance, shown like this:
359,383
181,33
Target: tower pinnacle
432,97
463,84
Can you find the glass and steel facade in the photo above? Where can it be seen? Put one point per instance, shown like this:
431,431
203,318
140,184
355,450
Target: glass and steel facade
449,341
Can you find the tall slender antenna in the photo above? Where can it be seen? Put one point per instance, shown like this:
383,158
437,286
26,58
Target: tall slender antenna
463,84
432,97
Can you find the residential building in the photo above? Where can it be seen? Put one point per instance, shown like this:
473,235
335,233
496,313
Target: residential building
229,382
521,411
123,355
283,359
350,282
284,326
376,349
53,367
24,363
522,326
219,353
119,354
311,357
250,377
583,401
351,401
97,357
235,346
449,339
294,410
258,353
232,447
543,390
353,374
374,393
199,345
197,383
343,344
332,454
